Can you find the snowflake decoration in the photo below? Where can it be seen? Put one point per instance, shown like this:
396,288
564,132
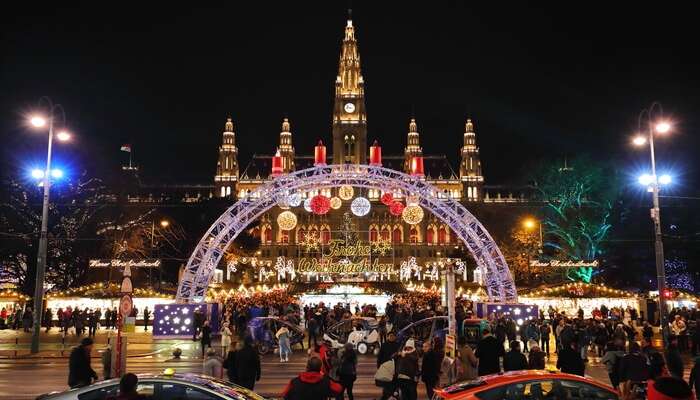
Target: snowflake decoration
232,266
381,246
461,267
310,242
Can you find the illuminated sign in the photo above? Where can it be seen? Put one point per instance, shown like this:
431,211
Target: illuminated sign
133,263
328,265
564,264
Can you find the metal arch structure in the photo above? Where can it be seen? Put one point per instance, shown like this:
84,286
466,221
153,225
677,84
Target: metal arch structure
206,256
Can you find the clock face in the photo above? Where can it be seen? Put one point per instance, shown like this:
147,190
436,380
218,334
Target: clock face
349,107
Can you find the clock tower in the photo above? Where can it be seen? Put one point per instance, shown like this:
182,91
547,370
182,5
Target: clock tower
349,115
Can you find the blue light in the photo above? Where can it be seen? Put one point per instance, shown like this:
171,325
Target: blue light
37,173
57,173
646,179
665,179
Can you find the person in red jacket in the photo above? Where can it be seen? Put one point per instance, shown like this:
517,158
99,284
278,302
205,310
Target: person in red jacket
312,384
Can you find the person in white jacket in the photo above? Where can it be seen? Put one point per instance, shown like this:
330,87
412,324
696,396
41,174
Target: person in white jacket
225,339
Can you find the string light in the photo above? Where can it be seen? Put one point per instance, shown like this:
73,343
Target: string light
307,204
412,200
387,198
412,215
294,199
283,202
360,206
336,203
346,192
320,204
287,220
396,208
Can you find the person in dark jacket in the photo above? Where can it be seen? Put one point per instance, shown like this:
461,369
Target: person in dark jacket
247,364
312,384
633,369
387,349
407,371
430,367
128,385
489,351
536,357
674,362
694,379
514,360
230,365
347,370
80,373
206,337
146,318
570,361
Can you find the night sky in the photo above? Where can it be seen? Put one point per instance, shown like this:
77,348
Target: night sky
539,82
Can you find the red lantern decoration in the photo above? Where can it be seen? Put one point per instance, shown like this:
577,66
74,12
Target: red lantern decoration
375,155
417,166
387,199
320,204
277,164
320,154
396,208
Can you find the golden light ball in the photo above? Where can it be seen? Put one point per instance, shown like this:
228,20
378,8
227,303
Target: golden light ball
346,192
412,215
287,220
336,203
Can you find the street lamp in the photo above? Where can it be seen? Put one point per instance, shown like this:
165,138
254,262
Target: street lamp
530,224
39,122
653,181
164,223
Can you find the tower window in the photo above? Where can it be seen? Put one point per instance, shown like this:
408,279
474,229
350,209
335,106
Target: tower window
223,191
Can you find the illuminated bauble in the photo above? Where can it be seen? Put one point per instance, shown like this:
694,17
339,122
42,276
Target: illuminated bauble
412,214
346,192
307,204
294,199
412,200
360,206
287,220
283,202
387,199
320,204
336,203
396,208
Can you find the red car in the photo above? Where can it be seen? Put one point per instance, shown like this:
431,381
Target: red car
527,385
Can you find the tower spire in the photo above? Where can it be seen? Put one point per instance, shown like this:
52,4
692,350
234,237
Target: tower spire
470,167
413,148
286,149
227,166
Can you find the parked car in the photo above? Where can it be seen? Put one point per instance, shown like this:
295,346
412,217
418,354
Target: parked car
424,330
361,332
263,330
165,386
535,385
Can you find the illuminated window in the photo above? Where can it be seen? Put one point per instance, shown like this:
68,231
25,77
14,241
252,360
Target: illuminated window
301,232
284,236
325,235
442,235
385,234
266,235
373,233
228,190
413,236
396,237
430,235
223,191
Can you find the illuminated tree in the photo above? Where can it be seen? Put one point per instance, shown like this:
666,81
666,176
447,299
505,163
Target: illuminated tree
519,250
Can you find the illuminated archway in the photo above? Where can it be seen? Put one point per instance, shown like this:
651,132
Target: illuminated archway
205,257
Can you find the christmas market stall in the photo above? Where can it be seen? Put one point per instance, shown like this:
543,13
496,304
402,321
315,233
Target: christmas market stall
569,297
104,296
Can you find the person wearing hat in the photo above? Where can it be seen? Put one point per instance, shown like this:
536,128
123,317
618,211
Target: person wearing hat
80,373
407,371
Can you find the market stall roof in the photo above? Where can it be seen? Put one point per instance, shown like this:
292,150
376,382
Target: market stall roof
12,295
103,290
377,287
575,290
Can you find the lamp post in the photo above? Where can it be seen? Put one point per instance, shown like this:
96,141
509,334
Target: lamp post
652,127
529,224
164,223
39,122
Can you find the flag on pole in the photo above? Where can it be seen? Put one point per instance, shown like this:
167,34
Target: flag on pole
126,147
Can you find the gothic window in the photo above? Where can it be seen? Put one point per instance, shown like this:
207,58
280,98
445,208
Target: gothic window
228,190
385,233
313,232
284,236
430,235
301,232
396,236
413,237
373,234
266,235
442,235
223,191
325,235
226,158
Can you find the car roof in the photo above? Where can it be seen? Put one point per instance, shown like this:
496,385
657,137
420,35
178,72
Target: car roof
458,389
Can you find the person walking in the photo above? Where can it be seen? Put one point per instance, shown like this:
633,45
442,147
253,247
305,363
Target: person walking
107,362
467,361
611,359
489,351
226,338
388,349
407,371
570,360
536,356
230,364
545,331
247,364
347,370
212,365
430,368
311,384
694,378
146,318
674,362
80,373
285,348
47,319
206,337
514,359
27,319
633,370
312,329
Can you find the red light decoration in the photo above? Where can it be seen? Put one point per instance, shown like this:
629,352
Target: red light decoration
396,208
375,155
320,154
387,199
277,164
320,204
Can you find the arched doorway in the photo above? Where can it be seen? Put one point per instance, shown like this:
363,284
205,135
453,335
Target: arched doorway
206,256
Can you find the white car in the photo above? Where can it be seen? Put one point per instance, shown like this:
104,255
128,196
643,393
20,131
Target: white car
162,387
361,332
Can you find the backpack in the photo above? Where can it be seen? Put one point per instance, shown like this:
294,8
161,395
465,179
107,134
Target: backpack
386,371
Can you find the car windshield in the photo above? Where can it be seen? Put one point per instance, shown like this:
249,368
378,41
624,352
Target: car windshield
225,388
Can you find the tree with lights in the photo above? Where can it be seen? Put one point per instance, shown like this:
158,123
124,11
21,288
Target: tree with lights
580,201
